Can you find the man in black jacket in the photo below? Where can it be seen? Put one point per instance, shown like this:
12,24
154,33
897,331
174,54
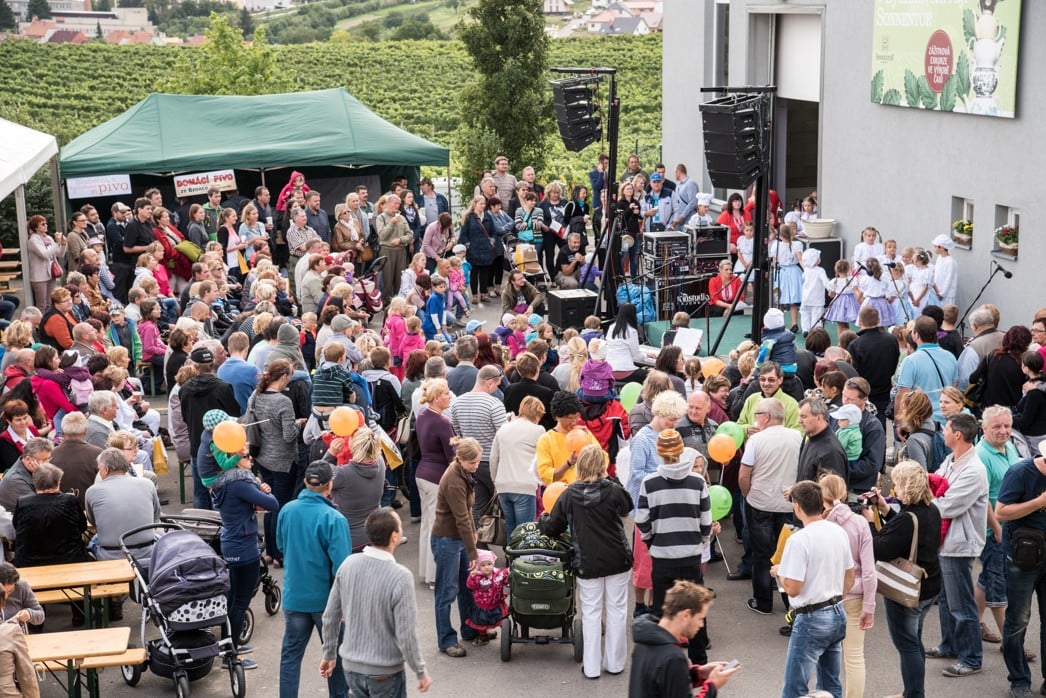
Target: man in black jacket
875,354
821,452
864,472
660,667
200,394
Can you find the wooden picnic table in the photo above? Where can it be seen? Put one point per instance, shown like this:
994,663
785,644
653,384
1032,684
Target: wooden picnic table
73,647
81,576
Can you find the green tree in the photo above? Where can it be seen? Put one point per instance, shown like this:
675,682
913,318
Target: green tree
505,110
102,5
39,9
7,17
246,23
370,31
393,20
224,65
417,28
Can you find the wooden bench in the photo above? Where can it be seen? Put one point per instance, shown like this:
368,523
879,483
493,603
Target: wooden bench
98,591
11,264
135,655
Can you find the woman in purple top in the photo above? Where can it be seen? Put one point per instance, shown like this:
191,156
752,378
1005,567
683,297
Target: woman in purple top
434,434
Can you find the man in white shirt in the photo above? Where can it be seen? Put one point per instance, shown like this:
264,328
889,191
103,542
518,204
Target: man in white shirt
816,569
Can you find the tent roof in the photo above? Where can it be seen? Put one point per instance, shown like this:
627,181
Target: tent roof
25,151
185,133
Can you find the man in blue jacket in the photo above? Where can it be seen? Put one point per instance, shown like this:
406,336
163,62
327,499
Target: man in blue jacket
315,539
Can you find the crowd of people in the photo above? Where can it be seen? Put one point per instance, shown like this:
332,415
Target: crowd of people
259,311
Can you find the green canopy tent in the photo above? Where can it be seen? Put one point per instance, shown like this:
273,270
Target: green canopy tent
186,133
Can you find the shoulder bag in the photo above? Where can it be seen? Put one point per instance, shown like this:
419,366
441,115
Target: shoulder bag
491,528
900,580
249,420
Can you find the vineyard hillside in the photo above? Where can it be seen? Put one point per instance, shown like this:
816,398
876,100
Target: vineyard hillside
66,90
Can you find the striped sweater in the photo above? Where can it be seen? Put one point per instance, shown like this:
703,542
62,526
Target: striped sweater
674,515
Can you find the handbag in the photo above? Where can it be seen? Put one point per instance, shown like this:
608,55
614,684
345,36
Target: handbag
901,580
159,457
491,528
366,254
56,270
403,430
189,249
249,420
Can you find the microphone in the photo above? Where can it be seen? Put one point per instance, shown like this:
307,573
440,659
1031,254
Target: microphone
1005,272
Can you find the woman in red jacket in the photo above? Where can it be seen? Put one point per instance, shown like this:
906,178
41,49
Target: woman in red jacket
19,430
47,384
168,236
723,289
734,217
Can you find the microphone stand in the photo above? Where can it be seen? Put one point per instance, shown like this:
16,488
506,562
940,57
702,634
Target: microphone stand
996,268
900,301
820,320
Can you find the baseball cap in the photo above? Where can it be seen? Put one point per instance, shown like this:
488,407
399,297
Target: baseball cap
656,177
474,325
95,241
851,413
459,249
120,206
201,355
319,473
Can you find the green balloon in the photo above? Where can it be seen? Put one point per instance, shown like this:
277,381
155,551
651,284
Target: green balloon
722,501
734,430
630,395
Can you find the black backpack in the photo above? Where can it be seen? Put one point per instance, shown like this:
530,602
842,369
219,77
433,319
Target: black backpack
939,452
386,404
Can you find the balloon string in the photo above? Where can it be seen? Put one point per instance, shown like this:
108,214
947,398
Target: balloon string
251,424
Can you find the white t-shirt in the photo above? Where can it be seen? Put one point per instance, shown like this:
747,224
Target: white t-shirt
773,455
817,555
622,352
815,284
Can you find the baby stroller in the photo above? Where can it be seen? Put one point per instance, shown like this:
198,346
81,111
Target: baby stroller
182,588
541,591
366,295
208,526
523,256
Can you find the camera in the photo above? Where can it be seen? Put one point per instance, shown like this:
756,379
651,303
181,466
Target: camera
890,265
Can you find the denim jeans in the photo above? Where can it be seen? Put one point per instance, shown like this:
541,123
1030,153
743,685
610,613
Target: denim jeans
518,509
960,622
392,486
243,579
297,631
391,686
906,632
632,255
992,579
452,570
816,642
1021,586
763,528
282,485
201,496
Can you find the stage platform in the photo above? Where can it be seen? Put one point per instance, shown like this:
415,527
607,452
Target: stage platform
738,327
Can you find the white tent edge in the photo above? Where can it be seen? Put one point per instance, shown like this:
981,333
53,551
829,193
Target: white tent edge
25,152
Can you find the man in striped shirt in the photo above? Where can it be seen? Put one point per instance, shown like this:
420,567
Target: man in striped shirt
478,414
674,518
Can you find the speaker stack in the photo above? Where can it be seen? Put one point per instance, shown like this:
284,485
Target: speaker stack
576,112
736,136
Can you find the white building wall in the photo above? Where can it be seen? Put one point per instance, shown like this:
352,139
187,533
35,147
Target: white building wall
893,168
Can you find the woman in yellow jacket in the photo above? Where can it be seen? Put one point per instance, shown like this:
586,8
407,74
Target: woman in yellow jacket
555,457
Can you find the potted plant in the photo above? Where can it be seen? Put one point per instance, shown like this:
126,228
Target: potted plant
1008,237
962,232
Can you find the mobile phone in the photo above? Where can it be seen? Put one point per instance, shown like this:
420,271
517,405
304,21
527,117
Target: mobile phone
733,664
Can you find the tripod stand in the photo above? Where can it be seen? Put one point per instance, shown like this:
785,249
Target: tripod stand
820,320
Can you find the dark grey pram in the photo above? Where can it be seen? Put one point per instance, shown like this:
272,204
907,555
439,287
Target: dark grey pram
182,588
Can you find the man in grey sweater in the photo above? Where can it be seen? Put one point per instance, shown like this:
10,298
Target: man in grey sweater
372,592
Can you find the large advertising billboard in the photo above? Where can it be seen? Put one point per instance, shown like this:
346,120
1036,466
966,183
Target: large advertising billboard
946,55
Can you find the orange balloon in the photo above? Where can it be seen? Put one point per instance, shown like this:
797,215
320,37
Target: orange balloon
577,439
551,494
721,448
344,421
230,437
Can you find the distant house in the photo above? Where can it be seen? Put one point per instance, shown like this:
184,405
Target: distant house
628,26
598,24
38,29
557,7
643,8
67,36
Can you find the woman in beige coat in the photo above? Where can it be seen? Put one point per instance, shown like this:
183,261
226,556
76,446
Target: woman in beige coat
43,251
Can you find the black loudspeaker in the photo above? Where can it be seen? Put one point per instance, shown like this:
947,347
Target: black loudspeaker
736,139
831,252
576,112
570,308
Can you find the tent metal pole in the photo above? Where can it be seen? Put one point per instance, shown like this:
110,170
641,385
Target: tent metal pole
57,197
23,243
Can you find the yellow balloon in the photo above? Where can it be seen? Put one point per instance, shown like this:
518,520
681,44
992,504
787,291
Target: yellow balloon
230,437
344,421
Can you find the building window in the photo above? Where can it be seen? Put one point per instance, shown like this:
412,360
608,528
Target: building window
962,222
1007,232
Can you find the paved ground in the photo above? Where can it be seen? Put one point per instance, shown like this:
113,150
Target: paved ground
546,671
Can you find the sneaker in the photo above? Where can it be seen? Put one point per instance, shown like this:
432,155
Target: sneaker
936,653
415,519
455,650
480,640
1030,655
248,664
1020,692
959,670
244,649
753,605
987,635
738,575
785,630
404,540
640,610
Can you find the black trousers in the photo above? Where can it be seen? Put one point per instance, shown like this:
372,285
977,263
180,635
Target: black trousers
665,573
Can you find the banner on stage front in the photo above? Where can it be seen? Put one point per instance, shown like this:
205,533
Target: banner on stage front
200,182
99,187
946,55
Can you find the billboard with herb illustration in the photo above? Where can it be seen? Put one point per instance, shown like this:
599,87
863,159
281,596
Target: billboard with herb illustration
946,55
